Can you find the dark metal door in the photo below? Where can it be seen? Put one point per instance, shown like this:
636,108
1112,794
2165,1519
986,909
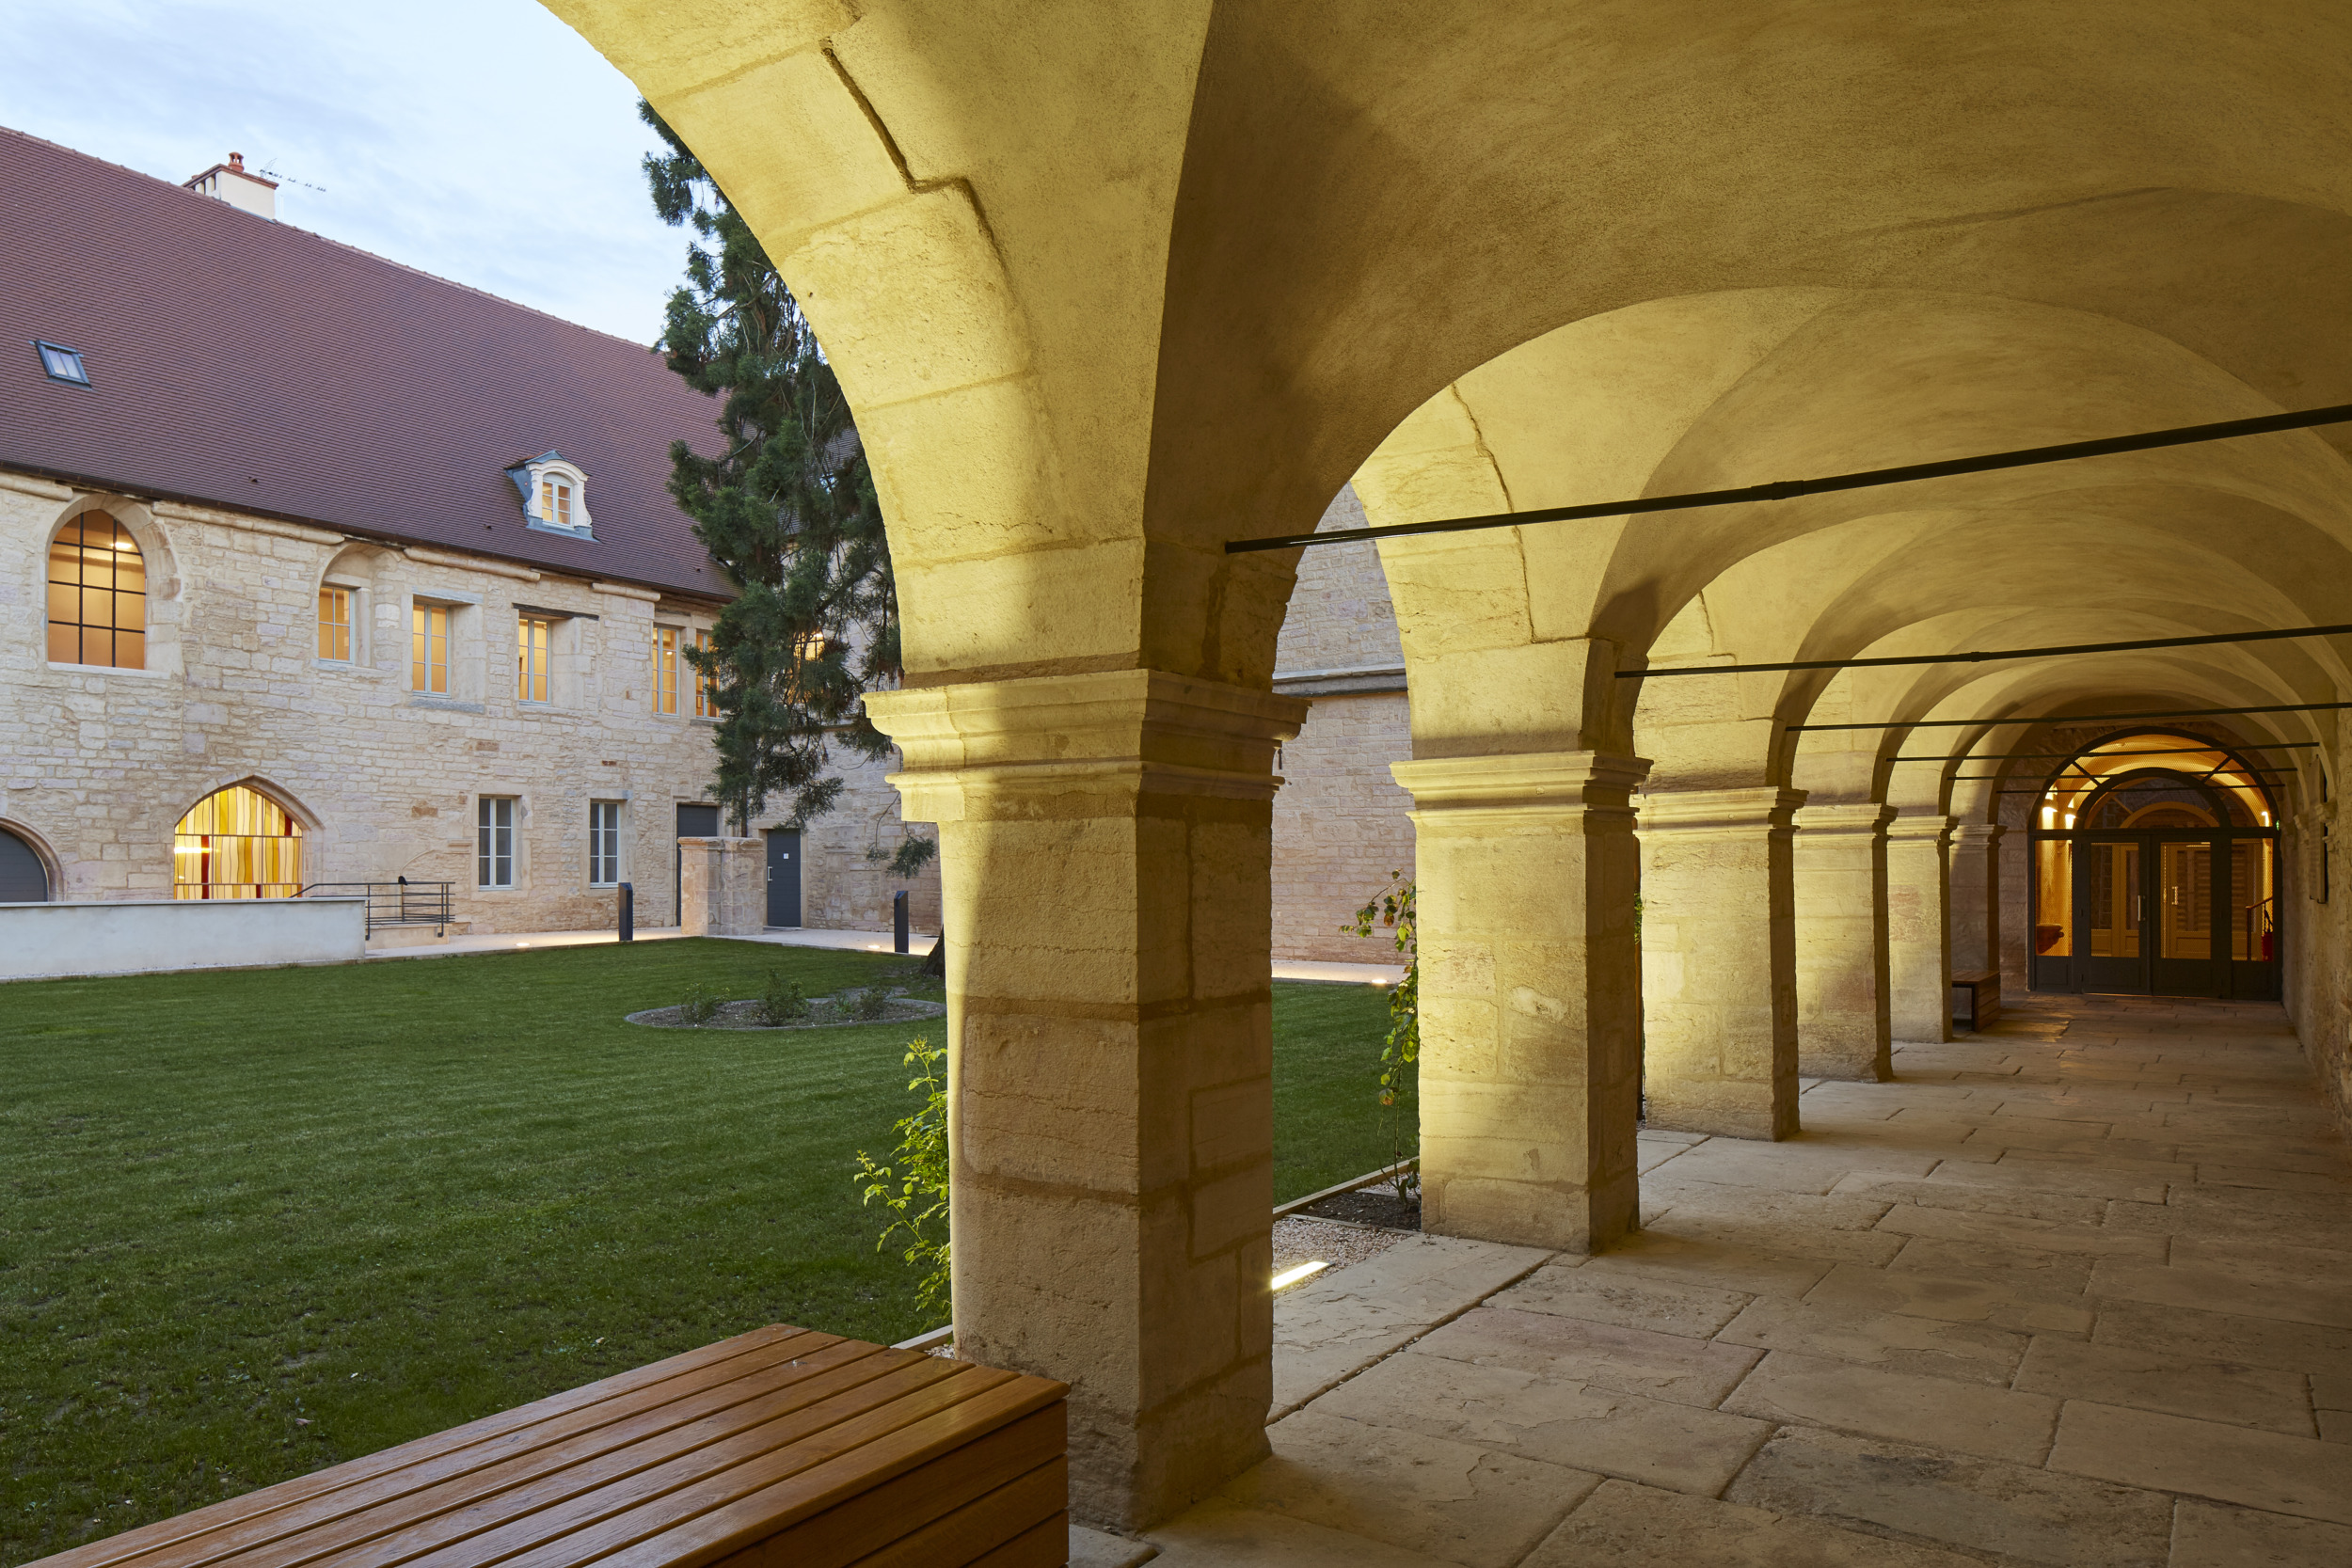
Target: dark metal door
23,878
783,876
694,820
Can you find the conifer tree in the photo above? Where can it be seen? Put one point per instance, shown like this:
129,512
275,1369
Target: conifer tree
787,509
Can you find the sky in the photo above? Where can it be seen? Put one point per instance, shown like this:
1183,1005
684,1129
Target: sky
483,141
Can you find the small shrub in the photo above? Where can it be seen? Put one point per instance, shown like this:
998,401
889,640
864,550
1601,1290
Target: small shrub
918,1174
701,1005
872,1004
783,1001
1396,908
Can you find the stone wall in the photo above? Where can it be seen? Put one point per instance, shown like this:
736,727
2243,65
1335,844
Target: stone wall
98,765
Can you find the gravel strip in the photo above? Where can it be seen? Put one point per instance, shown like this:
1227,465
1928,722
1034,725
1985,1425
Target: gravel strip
1302,1240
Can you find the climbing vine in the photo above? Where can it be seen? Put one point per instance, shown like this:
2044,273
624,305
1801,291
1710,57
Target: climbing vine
913,1186
1393,910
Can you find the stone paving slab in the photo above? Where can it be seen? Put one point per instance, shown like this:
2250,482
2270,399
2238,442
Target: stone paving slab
1326,1333
1715,1265
1956,1192
1218,1535
2193,1335
2206,1535
2297,1476
1457,1501
2020,1232
1569,1349
1977,1505
1922,1347
1568,1424
2221,1289
2226,1391
1952,1298
1630,1525
1991,1423
1600,1296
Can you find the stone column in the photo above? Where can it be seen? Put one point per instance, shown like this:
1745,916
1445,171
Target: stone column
1976,873
1530,996
1840,878
1104,847
1918,934
720,887
1719,962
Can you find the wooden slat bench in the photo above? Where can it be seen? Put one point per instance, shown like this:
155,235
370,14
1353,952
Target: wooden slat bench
1981,1007
778,1447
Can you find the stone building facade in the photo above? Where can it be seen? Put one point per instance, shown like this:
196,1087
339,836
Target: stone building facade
434,658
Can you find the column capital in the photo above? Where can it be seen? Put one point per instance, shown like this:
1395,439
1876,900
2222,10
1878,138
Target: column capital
1517,781
1865,817
1113,733
1921,828
1985,833
1720,811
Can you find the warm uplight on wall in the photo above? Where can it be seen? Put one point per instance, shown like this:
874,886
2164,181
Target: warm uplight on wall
2049,818
2070,820
1292,1276
2265,820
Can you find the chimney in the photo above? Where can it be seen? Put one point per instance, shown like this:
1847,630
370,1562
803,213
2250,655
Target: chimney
229,182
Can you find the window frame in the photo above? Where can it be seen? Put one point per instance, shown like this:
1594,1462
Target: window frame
662,698
703,706
421,614
604,843
44,348
489,857
543,675
348,601
78,526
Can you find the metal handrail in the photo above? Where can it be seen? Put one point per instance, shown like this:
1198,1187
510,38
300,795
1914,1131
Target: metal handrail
2266,909
400,902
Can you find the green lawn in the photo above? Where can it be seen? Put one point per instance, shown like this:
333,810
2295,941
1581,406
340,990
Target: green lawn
257,1222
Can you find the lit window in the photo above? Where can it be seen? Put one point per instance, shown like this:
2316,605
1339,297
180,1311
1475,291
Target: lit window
555,501
428,649
531,658
494,841
96,595
62,363
664,693
237,844
335,623
604,843
703,706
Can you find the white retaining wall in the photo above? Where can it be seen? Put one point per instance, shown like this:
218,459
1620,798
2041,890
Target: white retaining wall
47,941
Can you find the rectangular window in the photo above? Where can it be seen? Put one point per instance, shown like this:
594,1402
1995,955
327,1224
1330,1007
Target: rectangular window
428,656
494,841
604,843
703,706
665,670
555,502
531,636
335,623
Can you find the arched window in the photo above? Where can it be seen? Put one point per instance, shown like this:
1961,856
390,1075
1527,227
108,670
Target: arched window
237,843
97,594
22,878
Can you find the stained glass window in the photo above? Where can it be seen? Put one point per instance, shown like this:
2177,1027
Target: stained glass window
237,843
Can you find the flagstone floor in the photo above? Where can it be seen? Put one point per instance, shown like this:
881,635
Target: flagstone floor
2076,1291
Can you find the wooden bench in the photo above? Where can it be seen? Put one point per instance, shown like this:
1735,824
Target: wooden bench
778,1447
1982,1005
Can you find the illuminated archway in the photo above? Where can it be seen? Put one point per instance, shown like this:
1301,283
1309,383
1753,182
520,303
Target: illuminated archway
237,843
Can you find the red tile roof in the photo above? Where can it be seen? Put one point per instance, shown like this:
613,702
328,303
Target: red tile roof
250,365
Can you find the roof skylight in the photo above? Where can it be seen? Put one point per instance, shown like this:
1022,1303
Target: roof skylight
62,363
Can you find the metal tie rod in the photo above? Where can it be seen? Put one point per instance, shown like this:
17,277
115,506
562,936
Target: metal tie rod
1788,489
2079,718
2173,752
1991,654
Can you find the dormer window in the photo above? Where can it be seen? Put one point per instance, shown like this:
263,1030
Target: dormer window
554,494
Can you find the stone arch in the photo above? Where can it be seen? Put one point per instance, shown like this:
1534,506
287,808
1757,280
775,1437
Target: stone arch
356,567
35,847
165,607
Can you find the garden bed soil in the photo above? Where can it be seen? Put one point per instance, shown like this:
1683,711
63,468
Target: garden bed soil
824,1012
1379,1207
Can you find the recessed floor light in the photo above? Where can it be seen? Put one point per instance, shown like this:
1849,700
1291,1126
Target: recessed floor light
1292,1276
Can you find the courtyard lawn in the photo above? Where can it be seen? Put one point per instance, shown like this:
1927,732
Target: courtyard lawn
257,1222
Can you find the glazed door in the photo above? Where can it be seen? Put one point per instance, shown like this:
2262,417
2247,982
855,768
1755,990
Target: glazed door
2191,884
2110,914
